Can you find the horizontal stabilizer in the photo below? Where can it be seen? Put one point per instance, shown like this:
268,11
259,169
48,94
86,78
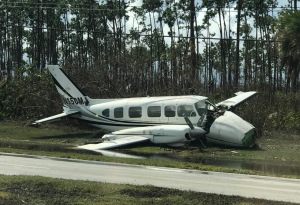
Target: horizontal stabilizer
109,144
55,117
240,98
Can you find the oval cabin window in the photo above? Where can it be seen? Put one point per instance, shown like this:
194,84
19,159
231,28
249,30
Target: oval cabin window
118,112
170,111
154,111
135,112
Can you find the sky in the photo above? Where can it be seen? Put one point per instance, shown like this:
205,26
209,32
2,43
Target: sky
214,28
200,15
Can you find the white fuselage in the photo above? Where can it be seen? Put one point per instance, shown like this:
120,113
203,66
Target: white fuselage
136,114
118,114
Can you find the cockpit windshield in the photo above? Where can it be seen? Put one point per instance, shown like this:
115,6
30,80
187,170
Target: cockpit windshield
200,107
210,106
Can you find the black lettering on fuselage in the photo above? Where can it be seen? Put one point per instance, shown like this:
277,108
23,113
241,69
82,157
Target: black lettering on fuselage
80,101
72,101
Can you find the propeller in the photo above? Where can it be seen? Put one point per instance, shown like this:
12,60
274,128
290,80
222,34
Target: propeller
195,132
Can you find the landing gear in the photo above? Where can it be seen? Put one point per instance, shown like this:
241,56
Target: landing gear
255,147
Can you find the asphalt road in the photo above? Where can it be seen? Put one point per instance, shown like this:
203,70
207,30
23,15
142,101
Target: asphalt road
280,189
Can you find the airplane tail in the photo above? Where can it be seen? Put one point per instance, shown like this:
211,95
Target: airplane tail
71,96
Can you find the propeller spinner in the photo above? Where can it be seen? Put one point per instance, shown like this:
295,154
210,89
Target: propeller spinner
195,132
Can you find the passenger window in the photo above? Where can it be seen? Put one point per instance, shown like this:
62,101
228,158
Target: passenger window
105,112
118,112
135,112
170,111
186,110
154,111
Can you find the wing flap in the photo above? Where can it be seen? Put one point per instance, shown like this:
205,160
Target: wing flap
240,98
55,117
113,143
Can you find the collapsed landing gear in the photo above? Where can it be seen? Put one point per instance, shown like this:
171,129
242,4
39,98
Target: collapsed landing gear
255,147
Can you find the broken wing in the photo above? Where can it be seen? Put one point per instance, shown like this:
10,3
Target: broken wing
113,141
240,98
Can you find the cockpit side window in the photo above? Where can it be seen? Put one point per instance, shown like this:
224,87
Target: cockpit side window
200,107
186,110
105,112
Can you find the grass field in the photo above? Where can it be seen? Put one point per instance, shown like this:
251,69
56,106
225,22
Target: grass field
15,190
60,141
275,145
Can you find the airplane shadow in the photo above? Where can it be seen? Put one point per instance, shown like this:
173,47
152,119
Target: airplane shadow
223,148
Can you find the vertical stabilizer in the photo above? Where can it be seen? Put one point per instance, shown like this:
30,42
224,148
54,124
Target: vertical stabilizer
71,96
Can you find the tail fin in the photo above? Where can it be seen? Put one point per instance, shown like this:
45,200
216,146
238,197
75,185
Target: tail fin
70,94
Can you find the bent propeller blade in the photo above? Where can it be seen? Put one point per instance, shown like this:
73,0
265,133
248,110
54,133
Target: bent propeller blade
188,122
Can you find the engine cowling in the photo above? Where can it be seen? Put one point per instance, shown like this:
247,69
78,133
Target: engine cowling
231,130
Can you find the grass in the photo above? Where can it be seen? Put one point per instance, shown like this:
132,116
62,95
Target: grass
59,141
15,190
276,146
48,133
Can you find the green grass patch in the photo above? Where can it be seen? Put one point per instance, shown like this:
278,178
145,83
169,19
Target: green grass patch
48,133
276,146
41,190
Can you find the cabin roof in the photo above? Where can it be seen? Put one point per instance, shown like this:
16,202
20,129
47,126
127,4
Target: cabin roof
166,100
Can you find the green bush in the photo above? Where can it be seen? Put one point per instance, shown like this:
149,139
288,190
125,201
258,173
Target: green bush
276,111
28,94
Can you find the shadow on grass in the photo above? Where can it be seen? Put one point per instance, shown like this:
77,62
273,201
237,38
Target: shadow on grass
223,148
71,136
43,147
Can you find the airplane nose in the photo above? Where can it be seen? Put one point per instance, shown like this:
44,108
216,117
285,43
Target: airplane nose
249,138
231,130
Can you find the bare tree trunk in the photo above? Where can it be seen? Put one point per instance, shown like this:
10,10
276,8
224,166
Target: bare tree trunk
236,75
223,79
192,39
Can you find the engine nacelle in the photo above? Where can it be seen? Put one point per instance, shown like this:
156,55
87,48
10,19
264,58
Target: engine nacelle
231,130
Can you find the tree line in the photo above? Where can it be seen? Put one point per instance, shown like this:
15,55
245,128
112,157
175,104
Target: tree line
91,32
92,40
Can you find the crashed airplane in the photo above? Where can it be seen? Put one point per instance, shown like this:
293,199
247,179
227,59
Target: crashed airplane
171,120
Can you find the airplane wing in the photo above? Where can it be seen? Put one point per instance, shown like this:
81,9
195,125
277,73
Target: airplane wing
55,117
116,141
240,98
